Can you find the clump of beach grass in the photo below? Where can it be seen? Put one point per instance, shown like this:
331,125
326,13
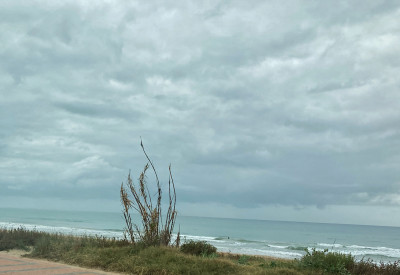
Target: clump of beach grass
331,262
17,238
199,248
368,267
152,231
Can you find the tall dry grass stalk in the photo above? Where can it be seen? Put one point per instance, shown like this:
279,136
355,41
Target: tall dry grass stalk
153,231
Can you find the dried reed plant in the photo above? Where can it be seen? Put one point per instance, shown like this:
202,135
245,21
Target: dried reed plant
153,231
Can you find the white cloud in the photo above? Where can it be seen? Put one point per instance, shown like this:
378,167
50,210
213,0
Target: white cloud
266,103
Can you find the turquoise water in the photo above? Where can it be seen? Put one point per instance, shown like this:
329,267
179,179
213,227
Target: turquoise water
272,238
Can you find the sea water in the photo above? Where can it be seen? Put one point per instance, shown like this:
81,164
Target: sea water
257,237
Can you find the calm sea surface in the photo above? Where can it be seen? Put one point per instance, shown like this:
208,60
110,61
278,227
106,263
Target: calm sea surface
272,238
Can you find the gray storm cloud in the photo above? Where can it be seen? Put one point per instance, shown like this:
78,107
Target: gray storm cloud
254,103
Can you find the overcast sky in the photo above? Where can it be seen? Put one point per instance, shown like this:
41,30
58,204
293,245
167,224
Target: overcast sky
285,110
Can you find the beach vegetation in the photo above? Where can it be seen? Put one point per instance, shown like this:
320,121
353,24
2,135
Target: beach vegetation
331,262
151,231
198,248
210,256
17,238
243,259
368,267
345,264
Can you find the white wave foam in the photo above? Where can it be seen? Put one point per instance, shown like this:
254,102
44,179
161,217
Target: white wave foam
364,251
335,245
199,238
263,252
373,251
278,246
357,246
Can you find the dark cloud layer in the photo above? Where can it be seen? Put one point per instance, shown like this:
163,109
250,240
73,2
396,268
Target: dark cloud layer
255,103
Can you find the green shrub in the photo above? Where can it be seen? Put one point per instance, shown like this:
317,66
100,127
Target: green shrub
198,248
331,262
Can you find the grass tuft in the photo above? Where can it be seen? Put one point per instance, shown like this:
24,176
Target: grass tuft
331,262
198,248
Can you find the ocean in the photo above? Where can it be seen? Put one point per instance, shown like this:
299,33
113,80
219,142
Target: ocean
256,237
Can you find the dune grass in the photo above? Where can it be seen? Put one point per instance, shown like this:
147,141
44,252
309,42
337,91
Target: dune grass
121,256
